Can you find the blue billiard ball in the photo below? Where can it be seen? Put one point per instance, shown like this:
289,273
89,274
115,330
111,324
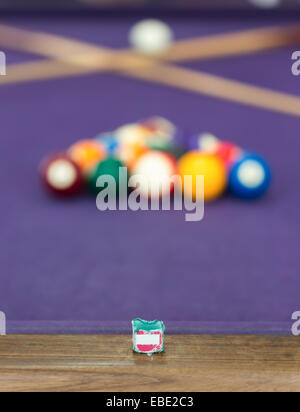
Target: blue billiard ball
109,141
250,177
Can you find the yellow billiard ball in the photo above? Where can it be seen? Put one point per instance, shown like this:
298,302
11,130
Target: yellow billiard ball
208,165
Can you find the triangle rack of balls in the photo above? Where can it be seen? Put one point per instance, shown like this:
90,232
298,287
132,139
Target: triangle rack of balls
156,148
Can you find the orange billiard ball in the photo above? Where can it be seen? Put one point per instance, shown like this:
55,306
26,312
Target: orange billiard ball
87,154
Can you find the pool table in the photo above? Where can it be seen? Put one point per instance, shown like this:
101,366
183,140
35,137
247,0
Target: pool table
66,268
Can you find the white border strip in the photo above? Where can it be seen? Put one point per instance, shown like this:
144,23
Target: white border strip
2,64
2,324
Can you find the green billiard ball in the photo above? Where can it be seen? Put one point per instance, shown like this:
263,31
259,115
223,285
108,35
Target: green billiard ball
111,167
171,147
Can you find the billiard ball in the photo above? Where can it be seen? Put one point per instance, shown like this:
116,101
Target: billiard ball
109,142
229,153
206,142
87,153
131,143
164,136
132,133
109,166
250,177
210,166
159,129
174,148
61,175
156,168
151,36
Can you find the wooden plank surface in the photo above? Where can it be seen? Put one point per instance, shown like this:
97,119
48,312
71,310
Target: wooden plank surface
190,363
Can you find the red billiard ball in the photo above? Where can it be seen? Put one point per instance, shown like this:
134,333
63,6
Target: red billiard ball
228,152
61,175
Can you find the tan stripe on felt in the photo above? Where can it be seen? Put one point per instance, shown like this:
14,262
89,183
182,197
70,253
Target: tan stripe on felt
68,50
49,45
222,88
220,45
236,43
42,70
139,67
185,79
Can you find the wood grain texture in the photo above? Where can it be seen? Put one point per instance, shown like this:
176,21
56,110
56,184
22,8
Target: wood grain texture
190,363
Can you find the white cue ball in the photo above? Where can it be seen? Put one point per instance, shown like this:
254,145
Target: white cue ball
151,36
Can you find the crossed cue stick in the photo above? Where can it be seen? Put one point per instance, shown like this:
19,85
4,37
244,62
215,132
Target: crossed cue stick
69,57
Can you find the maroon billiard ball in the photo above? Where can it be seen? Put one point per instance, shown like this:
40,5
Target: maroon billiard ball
61,175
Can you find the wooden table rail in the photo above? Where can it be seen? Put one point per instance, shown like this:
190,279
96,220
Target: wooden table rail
190,363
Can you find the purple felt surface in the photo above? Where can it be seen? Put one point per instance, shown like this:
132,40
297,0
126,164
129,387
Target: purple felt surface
87,271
